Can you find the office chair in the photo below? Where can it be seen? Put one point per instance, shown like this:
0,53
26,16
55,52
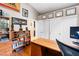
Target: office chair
67,50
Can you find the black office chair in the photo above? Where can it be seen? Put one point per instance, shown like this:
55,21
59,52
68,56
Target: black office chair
67,50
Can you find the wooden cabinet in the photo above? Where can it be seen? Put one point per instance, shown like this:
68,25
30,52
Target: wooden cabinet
35,50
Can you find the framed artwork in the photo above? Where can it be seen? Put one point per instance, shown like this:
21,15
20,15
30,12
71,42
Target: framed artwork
71,11
24,12
50,15
39,17
59,13
0,12
44,16
13,6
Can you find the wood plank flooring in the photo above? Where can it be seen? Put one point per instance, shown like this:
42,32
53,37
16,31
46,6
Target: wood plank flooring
5,48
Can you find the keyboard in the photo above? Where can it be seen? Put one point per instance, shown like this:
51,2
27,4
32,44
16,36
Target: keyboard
76,43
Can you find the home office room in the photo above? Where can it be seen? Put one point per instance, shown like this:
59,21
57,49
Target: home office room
39,29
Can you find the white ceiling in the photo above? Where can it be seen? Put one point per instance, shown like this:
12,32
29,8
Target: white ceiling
47,7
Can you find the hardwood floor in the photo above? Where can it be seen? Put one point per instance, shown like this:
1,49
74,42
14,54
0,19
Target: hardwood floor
5,48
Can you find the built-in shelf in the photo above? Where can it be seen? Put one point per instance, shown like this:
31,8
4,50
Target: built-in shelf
4,17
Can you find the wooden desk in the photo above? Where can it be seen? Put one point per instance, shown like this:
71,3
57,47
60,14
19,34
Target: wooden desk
41,44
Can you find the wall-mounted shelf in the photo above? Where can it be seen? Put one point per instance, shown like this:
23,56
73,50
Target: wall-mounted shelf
7,18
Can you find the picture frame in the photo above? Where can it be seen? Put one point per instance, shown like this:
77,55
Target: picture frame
0,12
50,15
59,13
24,12
39,17
71,11
44,17
12,6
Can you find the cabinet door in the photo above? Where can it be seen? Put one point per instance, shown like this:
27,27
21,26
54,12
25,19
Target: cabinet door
52,29
40,28
46,29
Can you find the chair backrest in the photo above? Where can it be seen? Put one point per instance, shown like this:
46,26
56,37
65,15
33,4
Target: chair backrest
67,50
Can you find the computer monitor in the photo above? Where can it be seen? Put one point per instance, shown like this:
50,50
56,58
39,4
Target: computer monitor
74,32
